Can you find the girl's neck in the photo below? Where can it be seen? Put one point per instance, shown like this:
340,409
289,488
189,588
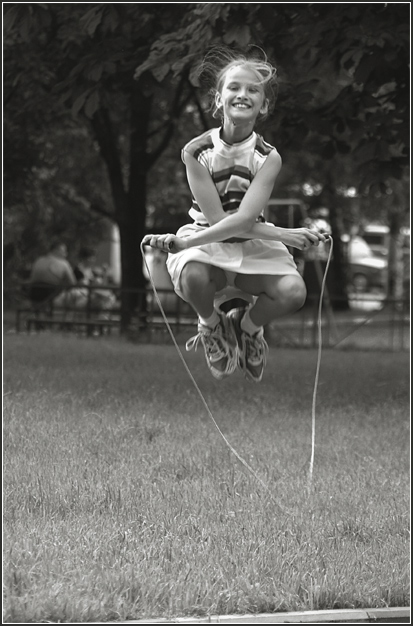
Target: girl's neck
235,133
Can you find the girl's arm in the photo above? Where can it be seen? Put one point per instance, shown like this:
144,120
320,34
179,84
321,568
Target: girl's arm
222,225
300,238
203,190
241,224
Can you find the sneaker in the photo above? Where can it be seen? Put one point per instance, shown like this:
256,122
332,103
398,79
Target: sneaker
220,345
252,349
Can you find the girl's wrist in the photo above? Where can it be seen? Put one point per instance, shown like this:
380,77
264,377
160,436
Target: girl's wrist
192,241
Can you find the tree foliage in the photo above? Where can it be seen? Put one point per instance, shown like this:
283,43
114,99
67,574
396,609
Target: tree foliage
344,76
79,60
117,84
343,116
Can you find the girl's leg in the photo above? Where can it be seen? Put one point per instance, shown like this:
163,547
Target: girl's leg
199,283
277,295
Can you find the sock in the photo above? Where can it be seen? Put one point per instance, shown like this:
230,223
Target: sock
248,326
212,321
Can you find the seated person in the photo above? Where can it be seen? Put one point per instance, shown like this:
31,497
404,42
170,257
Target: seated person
88,274
50,274
83,271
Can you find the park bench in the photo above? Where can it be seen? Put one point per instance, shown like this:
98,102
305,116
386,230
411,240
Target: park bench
59,309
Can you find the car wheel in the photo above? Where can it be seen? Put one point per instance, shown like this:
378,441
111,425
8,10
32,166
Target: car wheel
360,282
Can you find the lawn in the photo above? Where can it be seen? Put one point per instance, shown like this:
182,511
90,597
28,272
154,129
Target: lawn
122,501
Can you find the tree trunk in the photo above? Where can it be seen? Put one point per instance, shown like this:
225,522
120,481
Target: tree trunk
132,271
338,294
338,286
130,205
104,133
395,259
133,229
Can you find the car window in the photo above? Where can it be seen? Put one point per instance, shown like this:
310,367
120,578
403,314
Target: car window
374,239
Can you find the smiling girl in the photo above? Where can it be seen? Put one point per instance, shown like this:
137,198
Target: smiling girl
229,251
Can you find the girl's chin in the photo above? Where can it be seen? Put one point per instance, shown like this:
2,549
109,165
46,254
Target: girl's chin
242,117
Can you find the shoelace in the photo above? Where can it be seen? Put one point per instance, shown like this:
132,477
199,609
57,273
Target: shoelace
208,410
212,340
256,348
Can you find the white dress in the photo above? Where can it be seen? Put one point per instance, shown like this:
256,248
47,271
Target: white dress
232,168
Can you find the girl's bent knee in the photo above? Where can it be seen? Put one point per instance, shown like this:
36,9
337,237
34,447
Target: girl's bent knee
194,276
294,294
299,297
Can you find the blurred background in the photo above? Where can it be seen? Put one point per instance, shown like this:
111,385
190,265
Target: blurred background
99,99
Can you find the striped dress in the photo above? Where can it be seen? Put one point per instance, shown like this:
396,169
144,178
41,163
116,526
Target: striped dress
232,168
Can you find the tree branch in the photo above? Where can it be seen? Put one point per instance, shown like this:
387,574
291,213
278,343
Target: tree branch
201,111
176,108
103,131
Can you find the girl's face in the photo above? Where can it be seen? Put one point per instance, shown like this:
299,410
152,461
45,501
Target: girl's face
242,97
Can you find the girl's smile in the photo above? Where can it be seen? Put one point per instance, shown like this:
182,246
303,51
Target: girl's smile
242,99
242,92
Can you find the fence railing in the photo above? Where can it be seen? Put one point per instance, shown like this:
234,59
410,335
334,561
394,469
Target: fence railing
367,321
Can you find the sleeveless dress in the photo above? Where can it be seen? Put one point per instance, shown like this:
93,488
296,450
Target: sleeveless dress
232,168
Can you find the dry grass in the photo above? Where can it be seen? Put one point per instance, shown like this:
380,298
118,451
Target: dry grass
122,502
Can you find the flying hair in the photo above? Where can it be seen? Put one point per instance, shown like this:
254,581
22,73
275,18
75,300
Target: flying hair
219,60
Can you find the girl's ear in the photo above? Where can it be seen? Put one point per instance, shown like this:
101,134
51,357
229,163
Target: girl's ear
218,100
264,108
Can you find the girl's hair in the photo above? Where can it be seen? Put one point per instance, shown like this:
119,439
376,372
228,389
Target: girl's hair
219,60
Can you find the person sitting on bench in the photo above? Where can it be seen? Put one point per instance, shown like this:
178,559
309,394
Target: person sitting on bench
50,274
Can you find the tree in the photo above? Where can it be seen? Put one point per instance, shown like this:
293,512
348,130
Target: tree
344,79
367,119
82,58
344,74
126,73
46,193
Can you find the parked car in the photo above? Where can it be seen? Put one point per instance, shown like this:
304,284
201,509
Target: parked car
378,238
366,270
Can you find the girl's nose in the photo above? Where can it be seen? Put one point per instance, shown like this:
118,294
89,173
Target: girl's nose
242,94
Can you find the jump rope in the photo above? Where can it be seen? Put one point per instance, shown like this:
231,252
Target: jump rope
204,402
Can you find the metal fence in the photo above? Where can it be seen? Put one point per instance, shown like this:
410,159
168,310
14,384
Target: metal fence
368,322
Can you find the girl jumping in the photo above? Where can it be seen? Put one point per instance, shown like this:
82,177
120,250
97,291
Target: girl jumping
229,251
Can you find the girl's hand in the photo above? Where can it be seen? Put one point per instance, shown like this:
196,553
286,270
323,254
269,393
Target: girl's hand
167,243
302,238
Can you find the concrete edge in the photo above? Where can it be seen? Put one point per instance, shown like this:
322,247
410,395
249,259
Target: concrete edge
298,617
388,613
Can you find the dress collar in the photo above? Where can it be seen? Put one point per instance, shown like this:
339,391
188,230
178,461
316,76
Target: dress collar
236,144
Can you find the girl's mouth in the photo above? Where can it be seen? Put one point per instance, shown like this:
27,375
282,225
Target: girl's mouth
241,105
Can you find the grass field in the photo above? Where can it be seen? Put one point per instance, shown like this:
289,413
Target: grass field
121,501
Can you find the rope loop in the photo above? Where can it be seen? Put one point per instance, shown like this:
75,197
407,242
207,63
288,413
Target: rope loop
232,449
